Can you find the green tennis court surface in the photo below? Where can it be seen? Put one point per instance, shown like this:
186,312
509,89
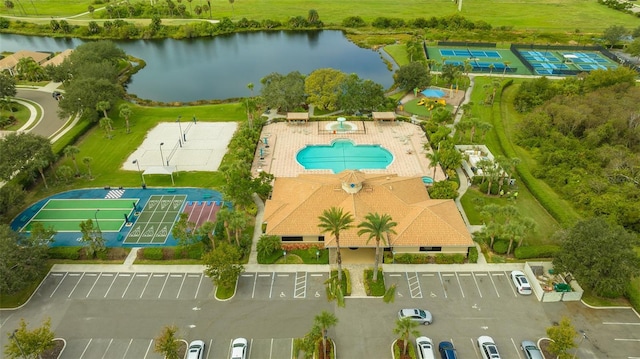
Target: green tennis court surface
154,223
65,215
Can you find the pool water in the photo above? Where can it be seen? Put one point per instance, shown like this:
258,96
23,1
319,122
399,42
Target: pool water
344,155
433,93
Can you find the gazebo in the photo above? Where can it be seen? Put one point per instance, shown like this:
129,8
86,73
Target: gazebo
383,116
297,116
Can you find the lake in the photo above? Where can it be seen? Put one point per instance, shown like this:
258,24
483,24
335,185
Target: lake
221,67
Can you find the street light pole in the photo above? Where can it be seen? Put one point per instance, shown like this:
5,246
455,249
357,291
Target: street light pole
13,336
161,155
141,176
95,215
180,127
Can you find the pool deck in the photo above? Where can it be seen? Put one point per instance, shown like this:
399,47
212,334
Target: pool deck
404,140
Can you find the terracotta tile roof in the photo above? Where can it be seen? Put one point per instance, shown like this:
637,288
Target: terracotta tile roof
57,60
11,61
296,203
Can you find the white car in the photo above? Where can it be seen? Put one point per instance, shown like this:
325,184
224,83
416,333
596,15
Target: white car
239,348
488,348
521,282
424,347
196,350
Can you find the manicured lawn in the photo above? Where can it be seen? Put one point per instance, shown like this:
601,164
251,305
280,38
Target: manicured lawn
547,15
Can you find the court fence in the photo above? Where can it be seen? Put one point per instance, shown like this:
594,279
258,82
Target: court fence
466,44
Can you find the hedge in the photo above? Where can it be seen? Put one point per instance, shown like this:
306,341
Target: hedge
542,251
72,253
500,247
473,255
152,253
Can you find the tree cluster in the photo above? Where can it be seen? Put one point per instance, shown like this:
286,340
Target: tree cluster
326,89
585,137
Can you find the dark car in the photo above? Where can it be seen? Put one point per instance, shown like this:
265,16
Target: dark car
447,351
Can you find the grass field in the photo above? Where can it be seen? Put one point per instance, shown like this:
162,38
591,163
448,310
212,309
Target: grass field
545,15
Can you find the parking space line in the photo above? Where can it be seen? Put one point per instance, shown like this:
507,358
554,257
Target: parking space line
94,283
107,350
620,323
273,279
516,347
512,286
145,285
181,284
130,280
166,278
494,285
128,346
442,284
75,286
300,290
113,281
199,284
626,340
250,347
271,349
476,350
477,286
209,348
85,348
414,285
148,348
63,277
460,285
255,280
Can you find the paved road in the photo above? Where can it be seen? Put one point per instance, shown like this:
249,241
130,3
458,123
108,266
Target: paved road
50,123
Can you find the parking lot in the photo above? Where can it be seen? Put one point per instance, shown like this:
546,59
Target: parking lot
271,308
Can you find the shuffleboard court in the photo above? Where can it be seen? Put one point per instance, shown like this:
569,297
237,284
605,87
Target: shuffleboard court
65,215
156,220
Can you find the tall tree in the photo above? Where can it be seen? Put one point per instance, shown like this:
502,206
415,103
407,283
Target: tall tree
22,259
434,161
284,92
92,237
71,152
7,85
125,112
323,88
184,230
411,76
87,162
166,343
238,222
613,34
325,320
223,265
378,227
334,221
562,338
406,328
32,344
606,272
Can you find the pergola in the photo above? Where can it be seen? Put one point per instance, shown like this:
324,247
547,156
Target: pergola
160,170
383,116
297,116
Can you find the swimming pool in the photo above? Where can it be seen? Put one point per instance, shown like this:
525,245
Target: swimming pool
343,154
433,93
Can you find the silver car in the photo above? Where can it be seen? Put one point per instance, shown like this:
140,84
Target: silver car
530,350
196,350
521,282
420,316
488,348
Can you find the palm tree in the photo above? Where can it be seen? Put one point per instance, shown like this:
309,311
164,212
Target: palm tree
333,221
405,327
125,111
103,106
106,125
506,66
87,162
72,151
377,226
40,164
491,67
238,222
434,160
224,215
325,320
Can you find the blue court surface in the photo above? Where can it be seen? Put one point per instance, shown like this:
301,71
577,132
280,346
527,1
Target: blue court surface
470,53
141,198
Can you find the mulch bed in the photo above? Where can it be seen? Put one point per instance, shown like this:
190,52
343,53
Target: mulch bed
54,353
544,348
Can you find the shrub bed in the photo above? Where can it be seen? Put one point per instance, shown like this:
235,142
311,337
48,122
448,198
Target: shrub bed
377,288
72,253
542,251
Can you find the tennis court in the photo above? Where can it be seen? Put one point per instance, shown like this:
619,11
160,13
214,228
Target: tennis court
560,62
154,223
65,215
470,53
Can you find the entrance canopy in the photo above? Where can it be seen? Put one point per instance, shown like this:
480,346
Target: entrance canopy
160,170
297,116
384,116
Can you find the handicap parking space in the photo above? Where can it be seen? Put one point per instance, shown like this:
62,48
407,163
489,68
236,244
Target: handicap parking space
400,282
431,284
279,285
